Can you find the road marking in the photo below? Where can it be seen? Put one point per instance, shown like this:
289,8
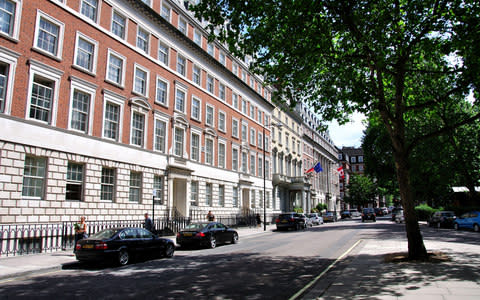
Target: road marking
309,285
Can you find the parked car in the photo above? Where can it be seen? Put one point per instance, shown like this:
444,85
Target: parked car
329,217
122,244
315,218
399,217
384,210
390,208
442,219
345,214
291,220
394,212
355,213
469,220
209,234
369,214
378,211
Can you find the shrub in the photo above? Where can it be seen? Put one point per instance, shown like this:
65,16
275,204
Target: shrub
424,211
321,206
298,209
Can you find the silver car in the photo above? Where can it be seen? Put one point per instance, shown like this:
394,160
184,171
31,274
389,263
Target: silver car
315,218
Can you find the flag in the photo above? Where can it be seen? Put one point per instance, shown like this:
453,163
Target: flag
317,168
340,170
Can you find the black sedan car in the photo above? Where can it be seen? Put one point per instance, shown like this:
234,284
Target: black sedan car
209,234
369,214
121,245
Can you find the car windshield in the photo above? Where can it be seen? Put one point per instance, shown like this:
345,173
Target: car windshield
448,214
105,234
312,215
196,226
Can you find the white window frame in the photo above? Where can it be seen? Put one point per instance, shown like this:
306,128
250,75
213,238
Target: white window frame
235,128
235,101
244,132
197,37
222,128
87,88
166,12
260,140
110,185
43,162
209,157
114,99
97,10
174,137
147,79
10,60
212,90
195,67
221,195
162,45
253,162
51,74
211,49
59,47
93,67
125,26
167,91
15,25
253,136
195,151
138,188
235,69
235,158
197,117
181,68
244,106
223,58
222,91
210,115
181,28
184,90
111,53
222,160
164,119
147,41
145,127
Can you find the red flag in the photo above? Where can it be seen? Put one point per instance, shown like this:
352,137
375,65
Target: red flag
340,170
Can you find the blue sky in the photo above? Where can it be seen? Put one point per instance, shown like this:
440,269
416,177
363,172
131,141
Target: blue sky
350,134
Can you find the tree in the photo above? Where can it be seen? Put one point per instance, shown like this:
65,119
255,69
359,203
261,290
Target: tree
399,59
360,191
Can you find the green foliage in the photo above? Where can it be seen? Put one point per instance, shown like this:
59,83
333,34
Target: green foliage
321,206
424,211
385,58
360,191
298,209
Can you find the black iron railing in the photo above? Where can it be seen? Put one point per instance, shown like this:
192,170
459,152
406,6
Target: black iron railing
21,239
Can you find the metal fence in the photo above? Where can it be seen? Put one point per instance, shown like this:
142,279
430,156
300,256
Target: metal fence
22,239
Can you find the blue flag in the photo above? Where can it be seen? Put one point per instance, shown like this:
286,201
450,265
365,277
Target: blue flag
318,168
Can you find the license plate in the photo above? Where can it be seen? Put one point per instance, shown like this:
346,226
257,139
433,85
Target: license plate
187,234
284,221
87,246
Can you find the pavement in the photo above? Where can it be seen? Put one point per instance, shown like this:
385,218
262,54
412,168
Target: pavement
360,273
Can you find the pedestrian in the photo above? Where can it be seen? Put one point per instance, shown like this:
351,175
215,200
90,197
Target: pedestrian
210,216
259,220
80,232
148,223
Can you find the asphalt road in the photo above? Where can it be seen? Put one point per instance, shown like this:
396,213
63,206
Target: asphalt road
272,265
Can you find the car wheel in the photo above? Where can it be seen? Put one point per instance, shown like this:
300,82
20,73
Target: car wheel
476,228
455,226
213,242
169,250
123,257
235,238
374,220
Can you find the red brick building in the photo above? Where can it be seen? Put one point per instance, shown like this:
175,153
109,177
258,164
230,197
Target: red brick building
104,103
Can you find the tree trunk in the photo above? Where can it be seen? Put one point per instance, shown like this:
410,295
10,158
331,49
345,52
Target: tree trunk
416,248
